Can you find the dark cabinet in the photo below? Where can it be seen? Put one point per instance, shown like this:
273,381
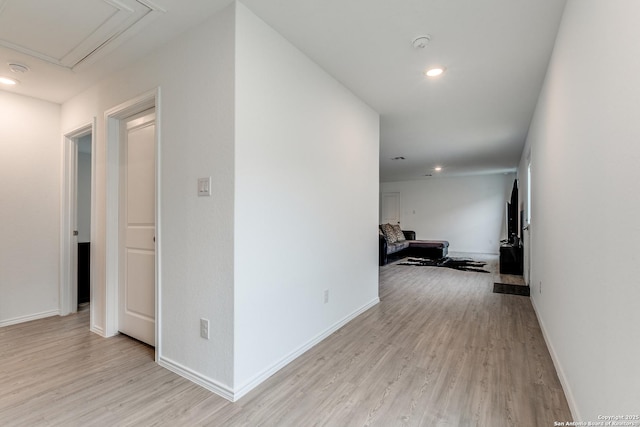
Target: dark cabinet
84,269
511,259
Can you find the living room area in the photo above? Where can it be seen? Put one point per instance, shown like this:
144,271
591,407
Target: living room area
466,211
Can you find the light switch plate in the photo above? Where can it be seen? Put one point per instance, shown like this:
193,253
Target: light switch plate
204,186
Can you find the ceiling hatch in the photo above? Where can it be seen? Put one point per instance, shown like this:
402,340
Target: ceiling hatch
70,32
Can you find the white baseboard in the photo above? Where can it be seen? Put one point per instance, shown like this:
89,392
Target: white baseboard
470,254
203,381
233,395
556,363
98,330
262,376
29,318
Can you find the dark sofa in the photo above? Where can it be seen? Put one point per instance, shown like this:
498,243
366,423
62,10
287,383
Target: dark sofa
432,249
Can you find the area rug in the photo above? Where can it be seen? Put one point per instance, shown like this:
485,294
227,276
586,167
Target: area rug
504,288
464,264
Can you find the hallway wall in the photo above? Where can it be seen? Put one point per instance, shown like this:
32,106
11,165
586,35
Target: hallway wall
30,159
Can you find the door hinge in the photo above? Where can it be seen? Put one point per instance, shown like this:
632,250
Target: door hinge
75,232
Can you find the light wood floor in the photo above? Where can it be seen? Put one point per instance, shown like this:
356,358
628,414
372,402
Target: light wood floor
440,349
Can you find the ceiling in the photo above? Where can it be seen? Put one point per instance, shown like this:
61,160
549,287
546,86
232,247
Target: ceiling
471,120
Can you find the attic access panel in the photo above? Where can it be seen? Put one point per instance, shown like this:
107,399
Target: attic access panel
68,32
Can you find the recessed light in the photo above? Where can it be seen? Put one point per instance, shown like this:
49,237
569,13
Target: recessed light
434,72
8,81
437,168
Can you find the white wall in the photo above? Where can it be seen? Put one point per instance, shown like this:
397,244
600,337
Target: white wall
306,202
195,233
84,190
280,145
30,158
585,207
468,212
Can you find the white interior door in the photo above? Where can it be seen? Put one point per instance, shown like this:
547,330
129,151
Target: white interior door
390,208
136,293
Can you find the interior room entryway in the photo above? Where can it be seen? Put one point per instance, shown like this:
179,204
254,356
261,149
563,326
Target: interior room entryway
83,224
77,220
133,239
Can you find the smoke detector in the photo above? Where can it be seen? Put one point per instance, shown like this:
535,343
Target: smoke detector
18,68
421,42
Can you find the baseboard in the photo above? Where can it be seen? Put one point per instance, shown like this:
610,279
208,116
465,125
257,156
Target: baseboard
233,395
470,254
29,318
98,330
261,377
203,381
556,363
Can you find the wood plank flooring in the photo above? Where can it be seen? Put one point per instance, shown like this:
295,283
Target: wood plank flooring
439,350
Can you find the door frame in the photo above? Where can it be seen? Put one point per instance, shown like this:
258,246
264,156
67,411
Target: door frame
68,280
113,119
526,229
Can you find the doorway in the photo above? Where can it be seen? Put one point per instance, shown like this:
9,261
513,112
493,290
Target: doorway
132,237
77,220
83,223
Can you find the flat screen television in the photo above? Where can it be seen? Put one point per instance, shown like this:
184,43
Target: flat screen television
512,215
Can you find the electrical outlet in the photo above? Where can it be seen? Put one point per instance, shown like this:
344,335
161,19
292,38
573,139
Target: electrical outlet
204,328
326,296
